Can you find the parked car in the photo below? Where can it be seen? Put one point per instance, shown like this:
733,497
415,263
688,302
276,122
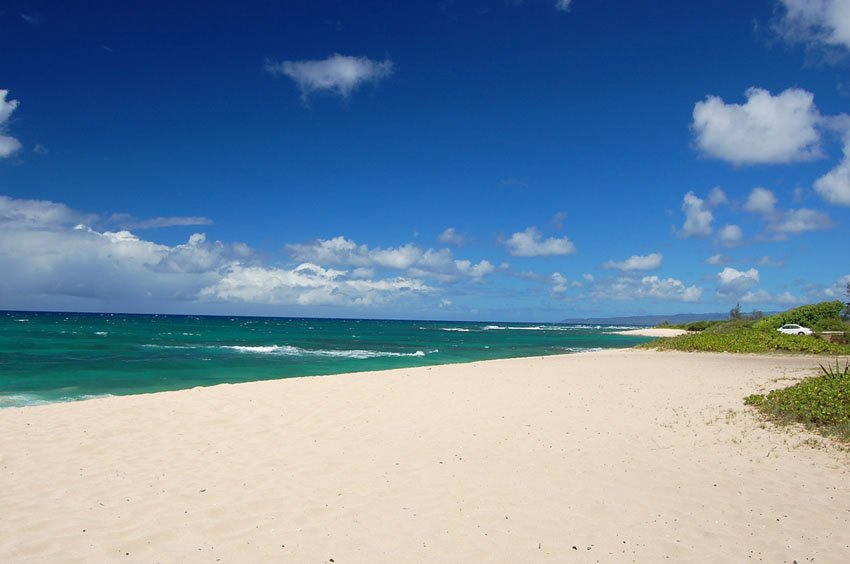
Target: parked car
794,329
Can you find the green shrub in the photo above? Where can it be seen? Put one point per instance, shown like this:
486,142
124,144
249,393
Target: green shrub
822,402
807,315
731,326
829,324
747,341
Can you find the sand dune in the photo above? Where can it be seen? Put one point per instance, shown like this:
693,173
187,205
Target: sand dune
614,456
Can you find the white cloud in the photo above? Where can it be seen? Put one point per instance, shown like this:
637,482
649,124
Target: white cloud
761,200
306,285
342,251
698,217
764,297
8,144
767,261
730,235
717,197
530,243
451,237
838,291
38,214
637,262
441,265
337,74
734,282
630,288
717,259
785,222
766,129
834,186
563,5
56,259
800,220
438,264
817,21
157,222
560,284
668,289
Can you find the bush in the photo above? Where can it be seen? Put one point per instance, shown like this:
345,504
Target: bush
831,324
731,326
822,402
747,341
807,315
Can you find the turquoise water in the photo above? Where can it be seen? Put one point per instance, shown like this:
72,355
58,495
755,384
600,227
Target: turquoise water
49,357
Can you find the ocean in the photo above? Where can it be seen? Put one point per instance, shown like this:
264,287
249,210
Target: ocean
53,357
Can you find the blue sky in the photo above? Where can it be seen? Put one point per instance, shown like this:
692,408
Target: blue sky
500,160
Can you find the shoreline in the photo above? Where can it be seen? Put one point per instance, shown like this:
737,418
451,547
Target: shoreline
624,454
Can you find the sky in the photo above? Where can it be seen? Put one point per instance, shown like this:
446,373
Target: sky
450,159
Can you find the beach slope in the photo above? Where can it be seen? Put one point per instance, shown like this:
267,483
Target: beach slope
611,456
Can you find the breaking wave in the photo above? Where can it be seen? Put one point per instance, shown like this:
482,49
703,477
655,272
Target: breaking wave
287,350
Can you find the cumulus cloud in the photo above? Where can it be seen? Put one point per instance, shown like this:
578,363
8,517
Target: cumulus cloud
306,285
637,262
58,259
342,251
441,265
764,297
785,222
560,284
834,186
717,197
338,74
838,290
825,22
761,200
730,235
8,144
717,259
438,264
800,220
734,283
766,129
698,217
530,243
451,237
631,288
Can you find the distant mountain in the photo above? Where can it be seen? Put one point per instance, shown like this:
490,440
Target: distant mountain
651,320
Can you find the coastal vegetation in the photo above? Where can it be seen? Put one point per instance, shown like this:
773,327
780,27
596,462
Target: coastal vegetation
821,402
755,334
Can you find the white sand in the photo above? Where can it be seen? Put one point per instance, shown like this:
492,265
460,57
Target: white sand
616,456
653,332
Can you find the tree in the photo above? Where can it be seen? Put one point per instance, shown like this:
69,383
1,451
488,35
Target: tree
735,312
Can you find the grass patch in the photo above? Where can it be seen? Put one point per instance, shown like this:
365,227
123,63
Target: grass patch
737,338
821,403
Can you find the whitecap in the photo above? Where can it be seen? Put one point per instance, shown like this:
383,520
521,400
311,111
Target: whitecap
287,350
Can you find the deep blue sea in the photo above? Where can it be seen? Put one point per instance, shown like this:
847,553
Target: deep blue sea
50,357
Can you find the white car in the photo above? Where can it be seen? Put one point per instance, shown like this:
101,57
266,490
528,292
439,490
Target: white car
793,329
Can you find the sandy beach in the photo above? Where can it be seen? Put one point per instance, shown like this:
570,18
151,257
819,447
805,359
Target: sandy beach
611,456
653,332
